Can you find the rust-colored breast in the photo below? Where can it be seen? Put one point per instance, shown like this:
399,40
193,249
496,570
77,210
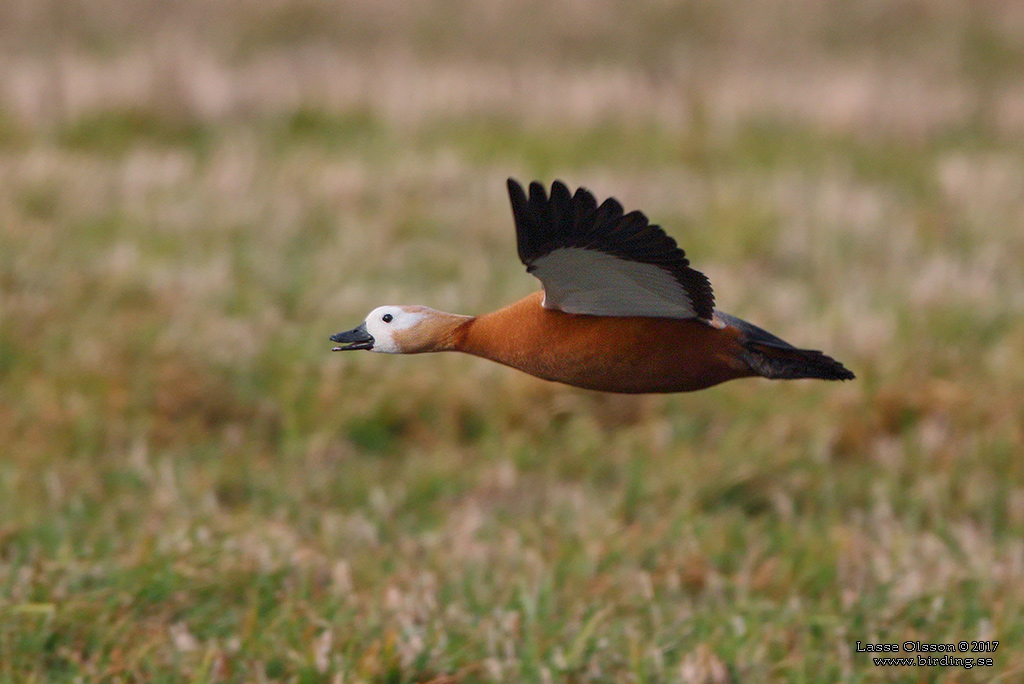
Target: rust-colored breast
611,354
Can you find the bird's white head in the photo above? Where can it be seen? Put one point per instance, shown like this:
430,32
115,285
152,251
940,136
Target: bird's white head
400,330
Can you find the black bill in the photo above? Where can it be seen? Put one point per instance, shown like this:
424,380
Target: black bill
356,338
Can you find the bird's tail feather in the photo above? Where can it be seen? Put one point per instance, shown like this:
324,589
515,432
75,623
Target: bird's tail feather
790,363
771,357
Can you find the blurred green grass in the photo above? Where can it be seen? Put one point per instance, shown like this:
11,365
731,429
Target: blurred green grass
193,487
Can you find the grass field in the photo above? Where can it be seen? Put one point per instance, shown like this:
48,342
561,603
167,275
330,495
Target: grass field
194,196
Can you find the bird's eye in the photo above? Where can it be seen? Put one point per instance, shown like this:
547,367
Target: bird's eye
387,318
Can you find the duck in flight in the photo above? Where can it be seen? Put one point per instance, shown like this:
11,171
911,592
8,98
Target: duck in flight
621,310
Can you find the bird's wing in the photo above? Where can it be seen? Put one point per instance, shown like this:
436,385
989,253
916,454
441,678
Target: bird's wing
597,260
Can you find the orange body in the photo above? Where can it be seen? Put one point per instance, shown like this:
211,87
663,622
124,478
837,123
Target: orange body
611,354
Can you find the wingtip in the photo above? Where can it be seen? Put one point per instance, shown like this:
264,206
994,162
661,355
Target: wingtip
538,193
516,194
560,194
537,190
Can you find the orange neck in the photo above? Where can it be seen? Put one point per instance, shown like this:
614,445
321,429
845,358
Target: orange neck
441,331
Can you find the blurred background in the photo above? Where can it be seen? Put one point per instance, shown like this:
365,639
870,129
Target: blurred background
195,195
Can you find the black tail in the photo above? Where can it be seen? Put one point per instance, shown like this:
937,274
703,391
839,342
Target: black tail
790,363
770,357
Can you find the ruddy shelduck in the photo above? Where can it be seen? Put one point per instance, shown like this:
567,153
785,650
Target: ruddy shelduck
621,310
